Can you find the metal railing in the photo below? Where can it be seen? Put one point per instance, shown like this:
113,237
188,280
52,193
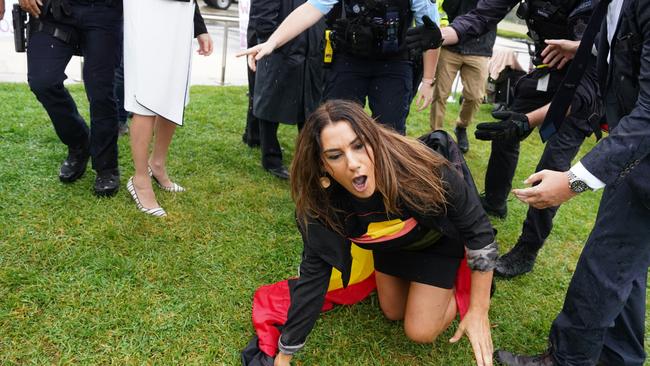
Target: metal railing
227,21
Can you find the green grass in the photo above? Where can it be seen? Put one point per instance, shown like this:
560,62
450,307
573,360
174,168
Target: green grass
512,34
93,281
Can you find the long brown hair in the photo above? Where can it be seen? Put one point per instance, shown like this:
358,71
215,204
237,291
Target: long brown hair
406,171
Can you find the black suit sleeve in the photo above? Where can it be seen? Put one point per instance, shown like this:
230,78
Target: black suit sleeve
482,19
629,142
199,23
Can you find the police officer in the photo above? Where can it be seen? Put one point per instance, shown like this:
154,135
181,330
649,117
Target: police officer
371,57
92,29
603,318
546,19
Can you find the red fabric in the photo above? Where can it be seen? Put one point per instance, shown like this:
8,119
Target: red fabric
463,287
271,304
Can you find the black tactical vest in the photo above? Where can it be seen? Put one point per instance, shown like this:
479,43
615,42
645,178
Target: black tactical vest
554,19
388,20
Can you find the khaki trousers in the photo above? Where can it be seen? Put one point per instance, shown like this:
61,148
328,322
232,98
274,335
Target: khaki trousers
473,74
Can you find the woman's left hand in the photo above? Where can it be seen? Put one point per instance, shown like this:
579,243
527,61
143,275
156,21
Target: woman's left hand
476,325
205,44
425,96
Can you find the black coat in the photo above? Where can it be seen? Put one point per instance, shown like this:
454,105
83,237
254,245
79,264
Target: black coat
288,82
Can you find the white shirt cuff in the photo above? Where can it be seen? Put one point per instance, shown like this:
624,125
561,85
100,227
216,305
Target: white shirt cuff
581,172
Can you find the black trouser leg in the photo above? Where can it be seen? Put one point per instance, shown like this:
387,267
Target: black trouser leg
604,308
270,146
47,58
102,51
558,153
252,131
500,171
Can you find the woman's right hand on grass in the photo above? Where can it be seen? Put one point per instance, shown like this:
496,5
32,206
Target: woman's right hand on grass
256,53
282,360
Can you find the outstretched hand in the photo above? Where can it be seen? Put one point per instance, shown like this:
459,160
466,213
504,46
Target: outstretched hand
476,325
257,52
552,189
424,37
512,125
559,52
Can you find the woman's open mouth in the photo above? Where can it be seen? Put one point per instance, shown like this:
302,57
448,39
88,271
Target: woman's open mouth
359,183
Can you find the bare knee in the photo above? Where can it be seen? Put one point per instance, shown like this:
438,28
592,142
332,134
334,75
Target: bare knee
392,313
422,334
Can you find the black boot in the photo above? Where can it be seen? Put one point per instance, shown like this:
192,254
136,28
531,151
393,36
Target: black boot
461,139
74,166
107,183
519,260
494,210
510,359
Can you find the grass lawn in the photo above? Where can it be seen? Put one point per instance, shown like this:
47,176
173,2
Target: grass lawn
93,281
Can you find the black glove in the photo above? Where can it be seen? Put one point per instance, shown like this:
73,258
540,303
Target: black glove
60,9
424,37
513,125
353,38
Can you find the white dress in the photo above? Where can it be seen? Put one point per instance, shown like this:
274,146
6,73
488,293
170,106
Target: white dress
157,57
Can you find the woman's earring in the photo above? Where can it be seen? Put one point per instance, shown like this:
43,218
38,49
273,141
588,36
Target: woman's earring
325,182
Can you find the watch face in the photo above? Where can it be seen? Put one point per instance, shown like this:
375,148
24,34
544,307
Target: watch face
579,186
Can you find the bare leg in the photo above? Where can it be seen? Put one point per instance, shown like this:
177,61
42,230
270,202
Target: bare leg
392,292
429,311
164,132
141,131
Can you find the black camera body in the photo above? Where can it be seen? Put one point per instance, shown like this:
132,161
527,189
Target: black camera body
21,28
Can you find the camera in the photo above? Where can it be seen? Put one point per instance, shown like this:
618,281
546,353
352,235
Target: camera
21,29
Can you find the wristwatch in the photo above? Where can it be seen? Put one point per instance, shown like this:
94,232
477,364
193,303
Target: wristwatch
575,184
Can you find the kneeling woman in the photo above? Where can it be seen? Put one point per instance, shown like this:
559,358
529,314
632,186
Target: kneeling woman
355,181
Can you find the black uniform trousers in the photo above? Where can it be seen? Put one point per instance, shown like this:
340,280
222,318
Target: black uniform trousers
505,153
388,85
603,317
99,27
558,154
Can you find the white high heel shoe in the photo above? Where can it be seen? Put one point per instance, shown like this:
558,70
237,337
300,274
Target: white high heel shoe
175,188
156,211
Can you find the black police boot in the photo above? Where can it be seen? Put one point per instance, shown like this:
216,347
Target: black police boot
107,183
74,166
280,172
498,211
461,139
510,359
519,260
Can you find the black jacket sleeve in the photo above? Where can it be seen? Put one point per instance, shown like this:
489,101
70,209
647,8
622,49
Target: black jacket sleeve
465,212
199,23
629,142
485,17
308,294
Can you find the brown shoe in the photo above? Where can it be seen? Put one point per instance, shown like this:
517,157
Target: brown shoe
510,359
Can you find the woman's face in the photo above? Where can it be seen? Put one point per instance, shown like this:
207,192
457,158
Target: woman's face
348,160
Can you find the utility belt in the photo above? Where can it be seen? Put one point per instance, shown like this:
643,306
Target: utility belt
65,34
372,37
